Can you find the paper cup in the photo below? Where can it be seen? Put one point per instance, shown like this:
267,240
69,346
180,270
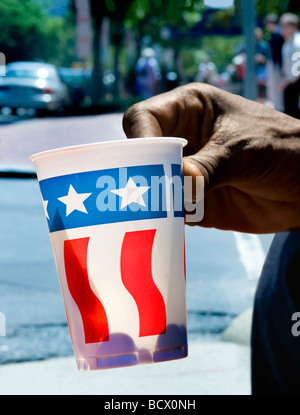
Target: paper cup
116,220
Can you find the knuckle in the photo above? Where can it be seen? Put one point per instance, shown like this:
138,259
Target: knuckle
130,116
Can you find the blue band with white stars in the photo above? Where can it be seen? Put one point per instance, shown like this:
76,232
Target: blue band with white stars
111,196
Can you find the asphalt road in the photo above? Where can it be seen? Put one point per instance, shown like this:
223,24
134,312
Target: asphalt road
19,138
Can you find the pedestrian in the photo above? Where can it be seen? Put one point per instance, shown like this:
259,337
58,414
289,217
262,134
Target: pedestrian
262,55
148,74
274,63
249,155
207,72
290,86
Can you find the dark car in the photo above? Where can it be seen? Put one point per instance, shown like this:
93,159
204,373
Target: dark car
76,80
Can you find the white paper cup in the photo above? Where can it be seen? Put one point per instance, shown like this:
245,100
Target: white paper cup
116,220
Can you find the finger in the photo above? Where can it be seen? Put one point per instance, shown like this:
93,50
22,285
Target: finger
211,162
183,112
139,122
154,117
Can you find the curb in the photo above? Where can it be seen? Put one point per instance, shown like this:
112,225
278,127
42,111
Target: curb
239,331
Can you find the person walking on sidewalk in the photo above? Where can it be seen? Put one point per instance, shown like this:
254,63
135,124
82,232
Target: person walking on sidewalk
274,64
289,23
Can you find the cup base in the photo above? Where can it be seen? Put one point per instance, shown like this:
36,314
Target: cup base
131,359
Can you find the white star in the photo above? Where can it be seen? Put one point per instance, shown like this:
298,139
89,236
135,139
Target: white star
74,201
45,203
131,194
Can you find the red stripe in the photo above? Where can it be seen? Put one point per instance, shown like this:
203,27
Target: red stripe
91,309
136,272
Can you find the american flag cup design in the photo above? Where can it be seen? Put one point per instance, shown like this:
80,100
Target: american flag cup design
116,220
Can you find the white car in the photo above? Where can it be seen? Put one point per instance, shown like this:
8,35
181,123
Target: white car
33,85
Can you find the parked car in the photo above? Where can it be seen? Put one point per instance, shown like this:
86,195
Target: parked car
33,85
76,80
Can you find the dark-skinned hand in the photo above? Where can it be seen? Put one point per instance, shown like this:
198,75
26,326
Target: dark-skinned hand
248,153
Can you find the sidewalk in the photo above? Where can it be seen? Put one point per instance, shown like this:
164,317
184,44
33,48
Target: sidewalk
212,368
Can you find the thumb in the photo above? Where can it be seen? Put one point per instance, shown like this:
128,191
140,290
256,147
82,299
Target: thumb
211,162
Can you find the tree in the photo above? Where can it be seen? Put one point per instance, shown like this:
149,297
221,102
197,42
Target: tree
180,17
117,11
148,17
98,12
28,33
163,22
143,17
278,7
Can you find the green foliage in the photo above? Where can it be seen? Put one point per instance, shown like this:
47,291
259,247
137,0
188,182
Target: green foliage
179,13
110,6
28,33
277,6
264,7
220,49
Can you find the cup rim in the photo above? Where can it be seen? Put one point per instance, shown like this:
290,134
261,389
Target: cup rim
112,143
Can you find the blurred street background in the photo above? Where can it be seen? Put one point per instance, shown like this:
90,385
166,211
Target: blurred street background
109,54
68,71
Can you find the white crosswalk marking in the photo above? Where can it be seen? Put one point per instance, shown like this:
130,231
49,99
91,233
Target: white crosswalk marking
251,254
